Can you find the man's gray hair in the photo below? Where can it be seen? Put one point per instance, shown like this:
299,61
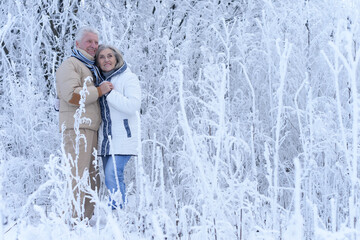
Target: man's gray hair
85,29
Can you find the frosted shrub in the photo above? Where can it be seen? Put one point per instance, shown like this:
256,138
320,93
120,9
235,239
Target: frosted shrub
249,118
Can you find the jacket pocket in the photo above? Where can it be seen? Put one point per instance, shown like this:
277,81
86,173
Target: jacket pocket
127,128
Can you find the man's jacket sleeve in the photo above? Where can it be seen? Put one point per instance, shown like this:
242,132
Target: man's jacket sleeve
70,83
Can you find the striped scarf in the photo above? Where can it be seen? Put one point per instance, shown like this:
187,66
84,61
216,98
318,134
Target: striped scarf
89,64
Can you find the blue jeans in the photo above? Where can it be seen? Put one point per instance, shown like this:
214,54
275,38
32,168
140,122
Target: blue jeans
110,177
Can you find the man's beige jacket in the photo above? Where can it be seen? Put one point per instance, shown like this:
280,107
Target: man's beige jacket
70,78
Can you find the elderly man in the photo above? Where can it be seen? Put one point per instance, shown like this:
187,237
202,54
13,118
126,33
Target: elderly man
70,78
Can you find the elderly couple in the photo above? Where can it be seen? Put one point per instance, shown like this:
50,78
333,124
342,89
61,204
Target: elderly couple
113,99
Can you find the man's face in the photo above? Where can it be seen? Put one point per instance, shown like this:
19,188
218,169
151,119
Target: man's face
89,43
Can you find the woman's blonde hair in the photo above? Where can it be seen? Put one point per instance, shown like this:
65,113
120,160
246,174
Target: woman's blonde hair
117,54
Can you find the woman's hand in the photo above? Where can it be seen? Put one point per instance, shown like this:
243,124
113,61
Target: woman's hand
106,87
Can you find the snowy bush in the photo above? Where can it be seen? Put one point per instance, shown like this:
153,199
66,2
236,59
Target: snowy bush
250,119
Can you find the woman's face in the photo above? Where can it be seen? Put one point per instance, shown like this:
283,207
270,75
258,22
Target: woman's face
106,60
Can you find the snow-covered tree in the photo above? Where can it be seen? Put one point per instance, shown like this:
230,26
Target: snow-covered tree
250,117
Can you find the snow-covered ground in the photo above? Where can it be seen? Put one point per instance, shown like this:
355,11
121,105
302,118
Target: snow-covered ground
250,118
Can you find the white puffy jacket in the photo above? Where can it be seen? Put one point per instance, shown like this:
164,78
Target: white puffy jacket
123,101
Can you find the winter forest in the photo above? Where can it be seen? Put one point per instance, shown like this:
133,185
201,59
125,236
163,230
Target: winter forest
250,119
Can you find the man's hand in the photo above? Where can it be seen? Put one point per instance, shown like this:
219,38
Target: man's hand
106,87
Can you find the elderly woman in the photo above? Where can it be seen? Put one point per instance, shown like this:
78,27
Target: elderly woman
118,133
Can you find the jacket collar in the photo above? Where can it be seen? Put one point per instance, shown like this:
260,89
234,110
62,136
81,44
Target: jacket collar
88,56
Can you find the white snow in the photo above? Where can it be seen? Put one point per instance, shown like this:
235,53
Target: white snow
250,119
